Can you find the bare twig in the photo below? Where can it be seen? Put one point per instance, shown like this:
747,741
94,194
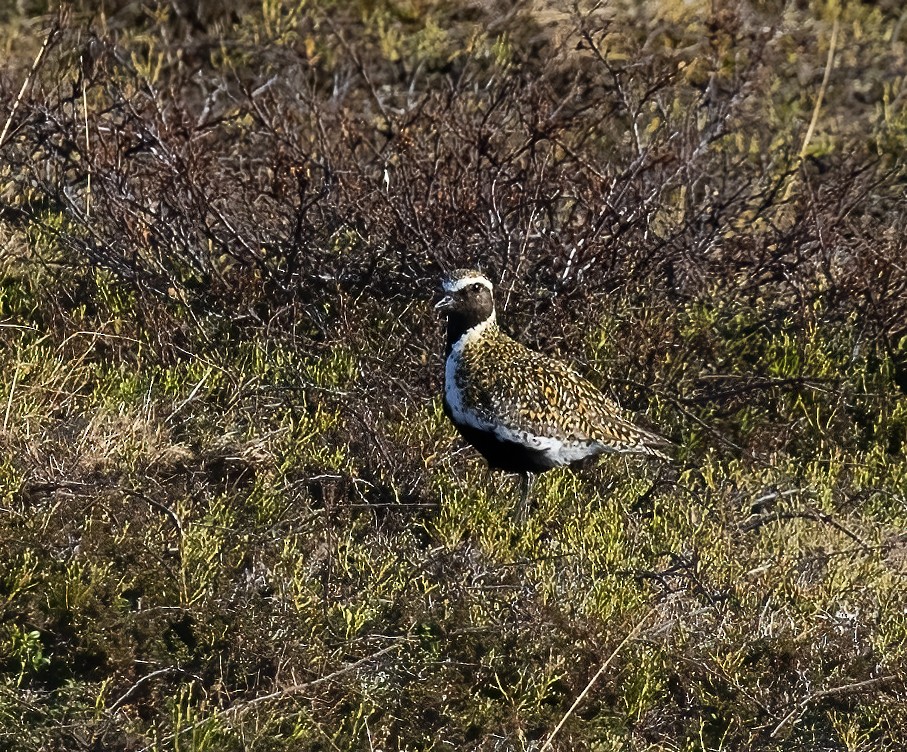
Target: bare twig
9,401
294,689
39,58
163,508
792,717
818,106
809,514
582,695
143,680
192,395
87,151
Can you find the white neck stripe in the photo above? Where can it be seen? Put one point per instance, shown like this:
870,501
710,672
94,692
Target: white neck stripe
453,285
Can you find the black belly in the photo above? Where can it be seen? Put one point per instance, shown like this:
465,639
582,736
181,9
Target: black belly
505,455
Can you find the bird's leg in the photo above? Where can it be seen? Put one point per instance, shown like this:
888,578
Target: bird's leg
526,482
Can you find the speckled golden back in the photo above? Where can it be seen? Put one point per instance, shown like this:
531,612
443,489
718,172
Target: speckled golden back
526,390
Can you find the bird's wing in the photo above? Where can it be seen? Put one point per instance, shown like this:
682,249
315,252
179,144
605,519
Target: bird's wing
544,396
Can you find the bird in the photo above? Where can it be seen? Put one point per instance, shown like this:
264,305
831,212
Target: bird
523,411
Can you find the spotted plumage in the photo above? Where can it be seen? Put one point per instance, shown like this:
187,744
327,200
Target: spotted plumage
523,411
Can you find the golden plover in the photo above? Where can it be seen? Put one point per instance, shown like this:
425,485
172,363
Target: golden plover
523,411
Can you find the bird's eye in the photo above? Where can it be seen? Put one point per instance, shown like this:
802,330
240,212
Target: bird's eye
476,286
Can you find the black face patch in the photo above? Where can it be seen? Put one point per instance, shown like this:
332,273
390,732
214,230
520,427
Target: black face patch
474,303
468,307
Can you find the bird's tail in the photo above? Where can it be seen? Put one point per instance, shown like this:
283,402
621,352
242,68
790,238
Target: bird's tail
652,445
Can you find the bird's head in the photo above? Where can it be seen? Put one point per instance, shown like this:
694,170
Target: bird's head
468,298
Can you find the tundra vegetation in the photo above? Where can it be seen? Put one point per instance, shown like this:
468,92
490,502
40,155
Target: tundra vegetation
233,515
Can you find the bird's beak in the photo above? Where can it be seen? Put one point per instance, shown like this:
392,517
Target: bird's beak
445,303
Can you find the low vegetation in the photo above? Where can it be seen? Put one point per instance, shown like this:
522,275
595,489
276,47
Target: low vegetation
234,516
